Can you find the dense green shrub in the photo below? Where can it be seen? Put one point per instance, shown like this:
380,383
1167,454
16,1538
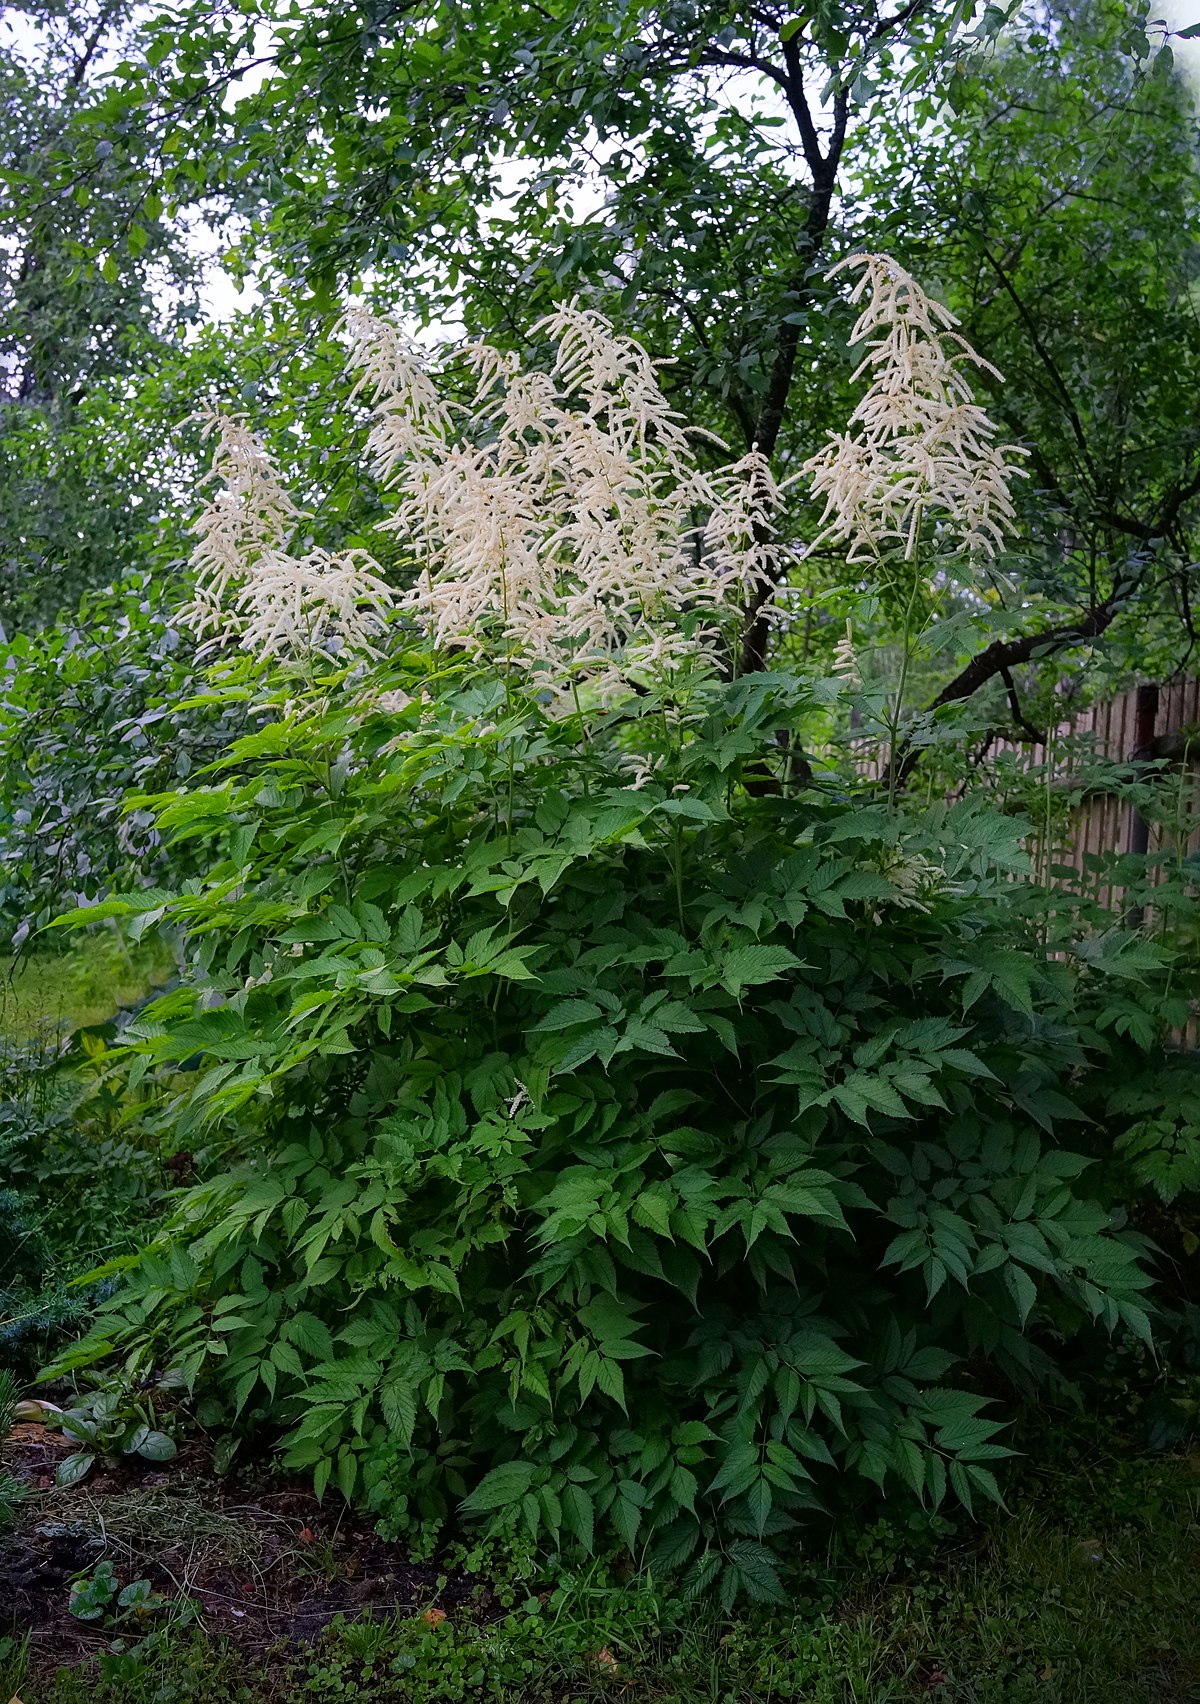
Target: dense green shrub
26,1110
12,1492
622,1142
605,1128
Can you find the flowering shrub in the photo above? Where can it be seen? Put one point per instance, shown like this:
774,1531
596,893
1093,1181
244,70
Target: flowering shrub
619,1140
918,453
560,521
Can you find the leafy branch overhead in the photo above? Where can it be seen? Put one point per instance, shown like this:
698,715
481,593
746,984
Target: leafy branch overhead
682,167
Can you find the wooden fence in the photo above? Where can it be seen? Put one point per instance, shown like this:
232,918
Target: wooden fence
1150,729
1147,725
1088,811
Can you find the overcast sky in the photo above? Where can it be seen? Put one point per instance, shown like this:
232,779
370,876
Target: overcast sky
222,299
1178,14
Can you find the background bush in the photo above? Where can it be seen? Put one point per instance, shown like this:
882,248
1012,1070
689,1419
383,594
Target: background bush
75,1191
93,707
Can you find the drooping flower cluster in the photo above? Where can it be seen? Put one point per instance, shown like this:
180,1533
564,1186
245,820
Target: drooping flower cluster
559,517
918,447
249,582
845,658
916,880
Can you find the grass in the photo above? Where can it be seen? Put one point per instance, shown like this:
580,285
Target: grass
1086,1596
44,991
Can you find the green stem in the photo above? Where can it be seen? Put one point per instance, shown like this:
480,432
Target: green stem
898,710
677,870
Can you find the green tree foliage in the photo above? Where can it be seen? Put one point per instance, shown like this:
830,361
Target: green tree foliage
96,287
94,707
684,168
1058,203
461,155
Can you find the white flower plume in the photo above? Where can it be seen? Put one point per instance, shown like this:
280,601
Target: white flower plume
560,518
845,658
250,586
918,446
740,535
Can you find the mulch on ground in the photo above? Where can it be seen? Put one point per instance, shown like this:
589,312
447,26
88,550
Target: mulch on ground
262,1563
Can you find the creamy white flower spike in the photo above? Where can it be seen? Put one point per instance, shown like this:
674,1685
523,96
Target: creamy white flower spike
740,535
249,514
250,586
557,519
918,447
845,658
562,521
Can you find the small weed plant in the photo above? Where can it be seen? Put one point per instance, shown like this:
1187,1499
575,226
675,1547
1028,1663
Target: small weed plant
115,1422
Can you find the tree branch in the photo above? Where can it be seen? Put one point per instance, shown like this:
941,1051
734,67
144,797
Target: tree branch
1044,356
1163,522
797,100
724,61
84,59
1018,715
787,342
1003,655
823,166
885,26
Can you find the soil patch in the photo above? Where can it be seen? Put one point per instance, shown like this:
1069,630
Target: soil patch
259,1565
